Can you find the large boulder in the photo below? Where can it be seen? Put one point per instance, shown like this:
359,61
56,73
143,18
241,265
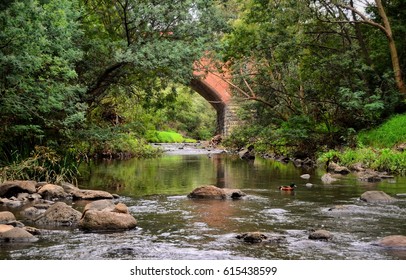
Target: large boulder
50,191
91,195
17,235
13,188
208,192
7,217
59,214
376,197
105,216
392,241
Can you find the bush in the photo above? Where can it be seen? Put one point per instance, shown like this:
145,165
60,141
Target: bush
44,164
153,136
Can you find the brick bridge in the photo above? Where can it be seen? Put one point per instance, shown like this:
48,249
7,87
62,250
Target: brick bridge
211,85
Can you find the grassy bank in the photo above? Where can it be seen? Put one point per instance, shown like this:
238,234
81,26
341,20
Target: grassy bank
378,149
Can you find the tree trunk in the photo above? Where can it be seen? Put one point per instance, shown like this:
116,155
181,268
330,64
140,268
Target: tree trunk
392,47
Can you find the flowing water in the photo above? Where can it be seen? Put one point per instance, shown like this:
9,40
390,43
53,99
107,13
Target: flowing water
172,226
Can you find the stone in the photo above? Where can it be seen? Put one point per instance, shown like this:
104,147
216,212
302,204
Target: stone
309,185
305,176
320,234
327,178
59,214
207,192
4,228
7,217
392,241
17,235
376,197
93,220
252,237
50,191
69,188
100,205
234,193
13,188
248,153
335,168
31,213
91,195
121,208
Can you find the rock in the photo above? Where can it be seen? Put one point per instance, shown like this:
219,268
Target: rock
208,192
13,188
11,203
357,167
99,218
401,195
252,237
31,213
392,241
7,217
309,185
17,235
369,176
327,178
234,193
376,197
305,176
121,208
59,214
4,228
69,188
91,195
100,205
335,168
320,234
32,230
50,191
248,153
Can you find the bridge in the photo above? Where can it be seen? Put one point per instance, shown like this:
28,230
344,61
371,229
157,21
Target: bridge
211,85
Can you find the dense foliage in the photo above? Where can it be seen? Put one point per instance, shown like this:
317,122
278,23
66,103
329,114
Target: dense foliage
98,77
319,71
88,77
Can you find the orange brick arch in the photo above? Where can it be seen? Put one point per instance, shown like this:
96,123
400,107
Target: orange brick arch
211,84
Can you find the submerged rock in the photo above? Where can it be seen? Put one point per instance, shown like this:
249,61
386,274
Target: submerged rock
392,241
376,197
253,237
320,234
327,178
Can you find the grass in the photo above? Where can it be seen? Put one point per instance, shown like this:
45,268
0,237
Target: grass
376,148
387,135
166,137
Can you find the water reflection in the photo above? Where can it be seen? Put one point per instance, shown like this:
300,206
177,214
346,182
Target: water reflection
171,226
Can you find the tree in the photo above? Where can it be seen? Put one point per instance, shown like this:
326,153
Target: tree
360,17
39,93
144,46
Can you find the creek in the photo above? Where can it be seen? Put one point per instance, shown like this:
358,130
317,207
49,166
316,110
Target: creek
172,226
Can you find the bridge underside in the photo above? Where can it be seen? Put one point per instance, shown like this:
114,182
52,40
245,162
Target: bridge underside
215,99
